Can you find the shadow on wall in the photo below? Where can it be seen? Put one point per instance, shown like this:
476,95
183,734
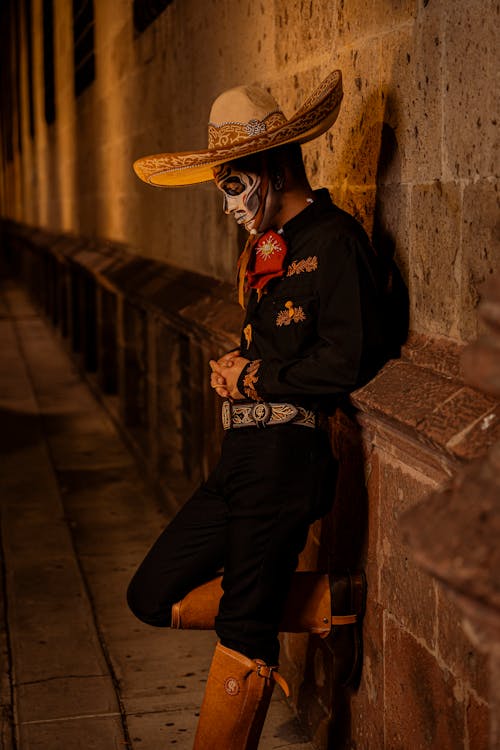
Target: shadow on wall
397,301
368,185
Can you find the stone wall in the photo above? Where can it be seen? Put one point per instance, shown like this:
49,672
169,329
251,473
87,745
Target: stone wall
411,154
144,350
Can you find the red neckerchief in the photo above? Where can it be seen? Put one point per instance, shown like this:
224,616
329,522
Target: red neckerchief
266,261
261,260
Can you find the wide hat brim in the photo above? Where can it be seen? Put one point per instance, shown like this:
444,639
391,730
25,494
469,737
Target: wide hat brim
315,116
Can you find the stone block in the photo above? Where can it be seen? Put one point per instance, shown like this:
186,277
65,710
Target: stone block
345,157
98,733
484,433
411,85
391,223
446,424
348,154
480,249
133,391
396,393
160,729
439,355
168,417
422,710
87,450
66,696
107,341
456,650
434,283
356,20
201,415
303,30
220,313
405,591
372,564
360,202
459,546
140,660
469,112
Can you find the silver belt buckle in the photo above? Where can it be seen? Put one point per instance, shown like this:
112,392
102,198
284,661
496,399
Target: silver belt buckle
261,414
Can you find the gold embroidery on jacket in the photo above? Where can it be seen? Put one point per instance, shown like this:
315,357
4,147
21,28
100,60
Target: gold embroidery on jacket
247,332
250,379
289,314
303,266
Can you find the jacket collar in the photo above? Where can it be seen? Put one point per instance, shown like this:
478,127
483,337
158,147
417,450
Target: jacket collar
308,216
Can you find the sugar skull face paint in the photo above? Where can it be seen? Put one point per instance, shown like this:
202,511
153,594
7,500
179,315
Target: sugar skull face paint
242,193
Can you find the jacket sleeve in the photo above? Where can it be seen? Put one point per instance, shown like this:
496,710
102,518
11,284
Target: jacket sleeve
333,363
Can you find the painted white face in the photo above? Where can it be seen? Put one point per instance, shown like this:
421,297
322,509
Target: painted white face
242,194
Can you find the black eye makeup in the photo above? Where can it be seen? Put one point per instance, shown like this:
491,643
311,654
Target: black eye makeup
233,186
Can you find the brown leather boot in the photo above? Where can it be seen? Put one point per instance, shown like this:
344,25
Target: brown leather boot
348,594
236,700
308,608
317,603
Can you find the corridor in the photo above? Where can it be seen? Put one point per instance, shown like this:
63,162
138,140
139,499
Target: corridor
78,671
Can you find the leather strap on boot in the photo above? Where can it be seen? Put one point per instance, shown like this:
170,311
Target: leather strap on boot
271,673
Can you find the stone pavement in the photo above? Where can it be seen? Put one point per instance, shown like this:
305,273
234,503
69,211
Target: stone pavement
77,669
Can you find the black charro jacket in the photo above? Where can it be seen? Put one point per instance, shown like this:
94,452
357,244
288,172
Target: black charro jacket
317,332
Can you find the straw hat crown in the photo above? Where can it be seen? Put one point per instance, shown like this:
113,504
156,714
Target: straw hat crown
240,113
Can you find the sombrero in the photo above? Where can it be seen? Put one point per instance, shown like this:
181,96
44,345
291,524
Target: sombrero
245,120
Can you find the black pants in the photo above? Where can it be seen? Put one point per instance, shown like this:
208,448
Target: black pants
250,517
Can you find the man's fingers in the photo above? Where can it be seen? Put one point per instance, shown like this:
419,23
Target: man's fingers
216,380
216,367
227,359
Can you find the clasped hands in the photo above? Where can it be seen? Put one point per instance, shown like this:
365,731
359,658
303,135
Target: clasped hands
225,374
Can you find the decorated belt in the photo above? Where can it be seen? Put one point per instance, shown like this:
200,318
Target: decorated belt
263,414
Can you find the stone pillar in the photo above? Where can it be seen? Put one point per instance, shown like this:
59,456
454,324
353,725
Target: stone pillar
455,533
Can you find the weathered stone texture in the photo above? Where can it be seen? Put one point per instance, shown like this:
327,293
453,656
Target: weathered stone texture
434,282
470,102
402,490
480,248
420,713
418,112
456,650
410,76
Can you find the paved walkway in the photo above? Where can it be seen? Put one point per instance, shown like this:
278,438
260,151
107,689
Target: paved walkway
77,670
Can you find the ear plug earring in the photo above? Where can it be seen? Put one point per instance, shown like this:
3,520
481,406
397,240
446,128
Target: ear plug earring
278,182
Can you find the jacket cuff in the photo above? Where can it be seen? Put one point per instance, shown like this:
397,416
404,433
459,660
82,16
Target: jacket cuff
248,381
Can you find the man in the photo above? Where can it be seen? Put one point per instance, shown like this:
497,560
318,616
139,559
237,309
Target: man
312,333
